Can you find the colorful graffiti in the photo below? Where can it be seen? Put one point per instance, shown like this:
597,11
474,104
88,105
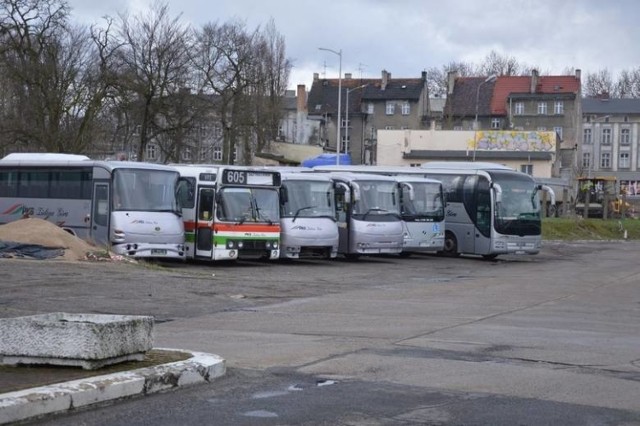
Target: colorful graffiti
497,140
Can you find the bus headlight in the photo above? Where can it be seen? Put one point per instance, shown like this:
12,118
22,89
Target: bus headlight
274,244
240,244
230,244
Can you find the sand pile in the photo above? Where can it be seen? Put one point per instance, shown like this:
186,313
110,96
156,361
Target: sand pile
45,233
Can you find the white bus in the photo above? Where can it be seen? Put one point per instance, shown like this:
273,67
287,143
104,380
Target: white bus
309,228
422,205
129,207
230,212
368,213
491,209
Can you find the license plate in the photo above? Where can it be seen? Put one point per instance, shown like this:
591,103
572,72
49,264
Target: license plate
159,251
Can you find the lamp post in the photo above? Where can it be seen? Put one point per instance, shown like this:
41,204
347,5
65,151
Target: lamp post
346,127
475,120
339,53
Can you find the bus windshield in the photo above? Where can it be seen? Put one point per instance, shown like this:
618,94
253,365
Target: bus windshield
144,190
239,204
426,204
519,198
377,198
308,199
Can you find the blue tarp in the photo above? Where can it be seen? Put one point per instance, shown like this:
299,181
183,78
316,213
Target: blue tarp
34,251
327,160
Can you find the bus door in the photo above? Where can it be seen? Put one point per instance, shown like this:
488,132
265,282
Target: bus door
484,217
343,216
204,222
99,219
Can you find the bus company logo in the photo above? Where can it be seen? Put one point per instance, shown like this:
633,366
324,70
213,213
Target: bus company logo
451,213
375,225
143,222
18,209
306,228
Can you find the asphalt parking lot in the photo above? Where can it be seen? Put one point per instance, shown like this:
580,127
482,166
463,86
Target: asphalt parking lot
556,335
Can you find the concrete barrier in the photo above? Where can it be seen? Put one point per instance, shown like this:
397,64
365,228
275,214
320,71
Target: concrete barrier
84,340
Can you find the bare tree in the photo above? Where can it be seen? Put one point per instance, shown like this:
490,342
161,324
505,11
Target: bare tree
437,78
598,83
53,74
497,64
153,67
222,58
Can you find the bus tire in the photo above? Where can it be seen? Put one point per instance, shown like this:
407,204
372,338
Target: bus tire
450,245
405,254
352,256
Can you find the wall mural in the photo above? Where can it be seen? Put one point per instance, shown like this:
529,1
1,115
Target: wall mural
499,140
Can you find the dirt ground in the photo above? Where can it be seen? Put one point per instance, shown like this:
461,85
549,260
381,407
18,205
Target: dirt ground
47,234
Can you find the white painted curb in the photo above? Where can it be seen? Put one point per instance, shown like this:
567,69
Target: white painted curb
35,402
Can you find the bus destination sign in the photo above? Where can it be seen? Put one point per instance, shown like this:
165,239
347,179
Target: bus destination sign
246,177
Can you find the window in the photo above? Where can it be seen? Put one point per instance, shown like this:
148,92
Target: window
390,108
527,168
606,136
186,154
152,151
625,160
388,127
203,154
586,160
558,107
542,108
496,123
558,131
625,136
406,108
235,154
605,160
343,143
370,108
345,123
541,129
519,108
217,153
586,137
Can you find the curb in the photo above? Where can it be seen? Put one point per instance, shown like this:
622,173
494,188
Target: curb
60,397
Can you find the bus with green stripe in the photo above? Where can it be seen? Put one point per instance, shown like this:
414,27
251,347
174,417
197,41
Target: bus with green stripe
229,212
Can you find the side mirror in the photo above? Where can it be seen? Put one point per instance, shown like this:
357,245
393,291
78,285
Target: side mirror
284,195
342,189
412,193
498,191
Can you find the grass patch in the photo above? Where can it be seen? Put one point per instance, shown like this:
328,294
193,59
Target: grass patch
578,228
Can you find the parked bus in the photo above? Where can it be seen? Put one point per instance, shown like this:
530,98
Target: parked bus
229,212
421,201
308,222
368,213
491,209
129,207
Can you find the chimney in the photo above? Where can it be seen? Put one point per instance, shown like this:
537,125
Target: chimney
451,81
386,77
316,76
578,74
534,80
301,101
424,76
347,76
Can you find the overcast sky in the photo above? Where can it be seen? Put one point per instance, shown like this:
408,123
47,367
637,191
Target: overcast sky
406,37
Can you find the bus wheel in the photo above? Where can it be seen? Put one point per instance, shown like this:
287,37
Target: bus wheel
450,245
405,254
352,256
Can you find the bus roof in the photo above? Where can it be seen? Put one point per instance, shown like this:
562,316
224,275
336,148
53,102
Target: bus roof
44,157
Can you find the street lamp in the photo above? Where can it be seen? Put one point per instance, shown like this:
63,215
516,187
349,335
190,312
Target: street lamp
487,80
346,127
339,53
475,120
